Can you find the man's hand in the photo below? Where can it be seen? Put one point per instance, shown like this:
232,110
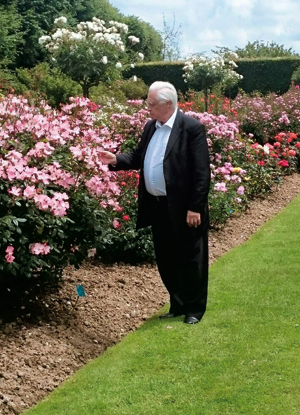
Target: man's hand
107,157
193,219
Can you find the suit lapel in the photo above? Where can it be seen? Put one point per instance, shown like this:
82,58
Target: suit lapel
175,132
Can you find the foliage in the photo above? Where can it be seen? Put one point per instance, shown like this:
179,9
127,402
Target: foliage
99,8
150,40
264,117
91,53
195,101
259,75
10,35
52,178
124,243
36,18
296,76
54,191
260,49
266,75
119,92
107,94
164,71
43,82
133,88
202,73
26,21
9,83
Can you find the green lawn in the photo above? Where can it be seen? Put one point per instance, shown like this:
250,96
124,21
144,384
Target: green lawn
243,358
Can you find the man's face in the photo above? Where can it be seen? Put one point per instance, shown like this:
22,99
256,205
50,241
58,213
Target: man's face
159,110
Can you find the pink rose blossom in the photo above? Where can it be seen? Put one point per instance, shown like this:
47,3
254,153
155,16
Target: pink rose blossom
39,249
9,254
29,192
221,187
240,191
116,224
15,191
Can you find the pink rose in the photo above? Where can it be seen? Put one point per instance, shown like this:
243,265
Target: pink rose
240,190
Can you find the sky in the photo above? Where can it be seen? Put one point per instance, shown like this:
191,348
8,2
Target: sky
206,24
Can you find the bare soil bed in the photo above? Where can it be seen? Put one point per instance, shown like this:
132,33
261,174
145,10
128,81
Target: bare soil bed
39,350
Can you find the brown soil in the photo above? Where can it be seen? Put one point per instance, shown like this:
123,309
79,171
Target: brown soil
37,353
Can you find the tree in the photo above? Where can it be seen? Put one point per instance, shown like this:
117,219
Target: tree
36,18
203,73
99,8
260,49
170,36
150,40
10,35
89,53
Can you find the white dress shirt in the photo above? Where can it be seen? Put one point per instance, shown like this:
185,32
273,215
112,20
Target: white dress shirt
153,163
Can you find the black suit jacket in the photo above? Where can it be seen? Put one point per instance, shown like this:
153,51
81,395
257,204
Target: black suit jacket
186,171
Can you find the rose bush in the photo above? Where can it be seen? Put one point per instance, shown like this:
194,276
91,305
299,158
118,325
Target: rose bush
265,117
59,203
92,51
55,193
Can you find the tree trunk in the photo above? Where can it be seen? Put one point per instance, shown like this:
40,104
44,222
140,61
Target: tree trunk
85,90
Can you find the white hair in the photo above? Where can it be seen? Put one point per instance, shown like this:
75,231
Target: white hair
165,92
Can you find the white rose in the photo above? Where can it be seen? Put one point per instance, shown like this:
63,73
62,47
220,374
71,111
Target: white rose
61,19
44,39
133,40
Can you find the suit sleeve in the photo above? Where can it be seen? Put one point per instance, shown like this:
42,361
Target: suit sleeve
133,159
200,168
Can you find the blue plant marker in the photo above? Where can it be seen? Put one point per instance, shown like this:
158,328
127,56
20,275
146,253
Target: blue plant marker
80,291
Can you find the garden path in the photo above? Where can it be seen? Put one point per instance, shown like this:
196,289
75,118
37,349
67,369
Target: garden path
42,348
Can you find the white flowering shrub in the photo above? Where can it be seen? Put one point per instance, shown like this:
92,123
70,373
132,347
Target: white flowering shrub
203,73
91,52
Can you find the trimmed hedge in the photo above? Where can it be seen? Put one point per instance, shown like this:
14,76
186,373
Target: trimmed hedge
159,71
262,75
267,75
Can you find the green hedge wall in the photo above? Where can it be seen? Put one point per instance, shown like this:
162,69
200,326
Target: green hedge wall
159,71
263,75
267,75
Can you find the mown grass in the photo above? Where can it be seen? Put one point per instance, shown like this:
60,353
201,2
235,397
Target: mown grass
243,358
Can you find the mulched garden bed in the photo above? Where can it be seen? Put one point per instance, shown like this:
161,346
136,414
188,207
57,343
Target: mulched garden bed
44,345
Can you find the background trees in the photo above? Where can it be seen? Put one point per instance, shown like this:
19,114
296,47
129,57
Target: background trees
91,52
36,17
25,21
261,49
150,40
10,35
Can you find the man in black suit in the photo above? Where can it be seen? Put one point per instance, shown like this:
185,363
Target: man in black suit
174,182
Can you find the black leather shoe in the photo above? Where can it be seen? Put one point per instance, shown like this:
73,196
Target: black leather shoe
168,315
191,320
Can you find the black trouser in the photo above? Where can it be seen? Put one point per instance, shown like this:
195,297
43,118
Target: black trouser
182,262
